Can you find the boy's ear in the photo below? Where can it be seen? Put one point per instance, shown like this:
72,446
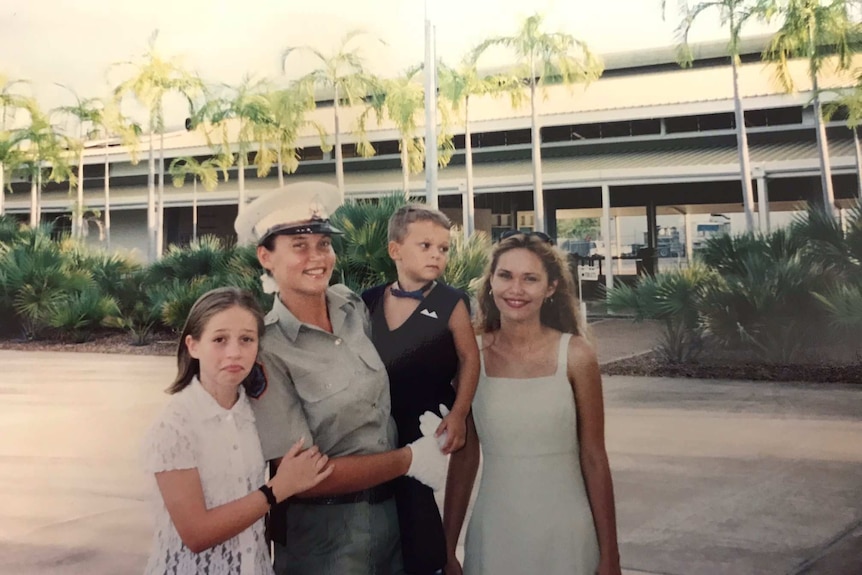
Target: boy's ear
394,250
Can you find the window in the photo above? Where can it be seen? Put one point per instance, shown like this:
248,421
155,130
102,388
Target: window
312,153
774,117
703,123
387,148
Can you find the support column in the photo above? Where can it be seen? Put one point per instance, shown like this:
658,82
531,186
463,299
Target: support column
689,240
762,200
606,235
617,244
465,216
652,236
551,215
430,111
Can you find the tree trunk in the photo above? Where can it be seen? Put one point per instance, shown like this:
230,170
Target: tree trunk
280,170
151,199
538,192
2,189
405,170
241,166
160,223
468,165
34,202
78,227
823,150
742,150
39,195
339,158
858,149
819,127
195,210
107,198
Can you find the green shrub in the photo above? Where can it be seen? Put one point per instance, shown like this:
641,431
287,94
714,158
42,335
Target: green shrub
35,277
77,315
175,282
675,299
363,251
467,260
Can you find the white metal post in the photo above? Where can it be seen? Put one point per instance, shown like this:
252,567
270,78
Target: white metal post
762,200
430,113
606,229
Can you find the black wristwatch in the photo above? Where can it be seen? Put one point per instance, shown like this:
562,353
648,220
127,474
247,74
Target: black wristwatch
267,492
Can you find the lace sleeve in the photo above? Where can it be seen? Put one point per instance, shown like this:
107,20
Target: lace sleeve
169,443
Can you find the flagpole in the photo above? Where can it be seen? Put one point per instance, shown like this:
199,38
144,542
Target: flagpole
430,112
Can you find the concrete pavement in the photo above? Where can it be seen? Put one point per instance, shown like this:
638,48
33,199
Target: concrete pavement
711,477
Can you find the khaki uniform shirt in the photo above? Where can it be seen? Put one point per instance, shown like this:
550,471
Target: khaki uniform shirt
330,388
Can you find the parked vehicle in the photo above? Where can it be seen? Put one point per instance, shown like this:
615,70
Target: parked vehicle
717,225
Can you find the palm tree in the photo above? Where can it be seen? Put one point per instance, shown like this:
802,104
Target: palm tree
42,147
544,57
344,75
113,125
10,102
734,14
456,86
807,28
206,172
249,107
152,78
849,100
289,109
402,99
88,113
10,159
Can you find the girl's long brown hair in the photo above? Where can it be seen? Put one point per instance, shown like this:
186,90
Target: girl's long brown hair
208,305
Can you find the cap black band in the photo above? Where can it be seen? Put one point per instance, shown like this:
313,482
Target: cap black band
315,226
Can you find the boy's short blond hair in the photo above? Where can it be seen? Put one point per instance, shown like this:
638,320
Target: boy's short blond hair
406,215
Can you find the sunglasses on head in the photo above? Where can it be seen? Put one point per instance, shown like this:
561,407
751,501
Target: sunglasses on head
541,235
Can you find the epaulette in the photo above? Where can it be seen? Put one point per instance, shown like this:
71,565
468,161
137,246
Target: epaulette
345,292
270,319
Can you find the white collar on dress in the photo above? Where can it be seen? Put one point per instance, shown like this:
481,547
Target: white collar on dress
204,406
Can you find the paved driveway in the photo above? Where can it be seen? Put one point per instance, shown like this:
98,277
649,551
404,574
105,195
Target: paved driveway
711,477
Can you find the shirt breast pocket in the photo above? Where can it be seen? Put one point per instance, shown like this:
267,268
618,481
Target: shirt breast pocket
317,385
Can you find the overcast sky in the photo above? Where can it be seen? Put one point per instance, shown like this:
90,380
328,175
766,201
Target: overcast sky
74,42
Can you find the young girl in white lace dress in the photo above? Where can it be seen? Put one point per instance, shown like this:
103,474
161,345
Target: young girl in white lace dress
204,452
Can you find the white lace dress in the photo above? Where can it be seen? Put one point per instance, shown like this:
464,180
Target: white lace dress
195,431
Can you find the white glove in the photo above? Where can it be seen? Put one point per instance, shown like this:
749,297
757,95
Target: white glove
429,422
428,465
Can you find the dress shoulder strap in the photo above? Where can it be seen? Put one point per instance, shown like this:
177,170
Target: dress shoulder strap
563,353
481,356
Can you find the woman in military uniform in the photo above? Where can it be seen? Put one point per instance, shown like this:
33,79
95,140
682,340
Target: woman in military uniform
325,382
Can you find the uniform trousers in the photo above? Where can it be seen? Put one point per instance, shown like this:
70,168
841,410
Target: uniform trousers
347,539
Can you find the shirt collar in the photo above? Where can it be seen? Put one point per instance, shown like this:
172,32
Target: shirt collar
336,303
204,406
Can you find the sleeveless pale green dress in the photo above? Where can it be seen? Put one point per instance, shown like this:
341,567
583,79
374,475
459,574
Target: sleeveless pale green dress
532,514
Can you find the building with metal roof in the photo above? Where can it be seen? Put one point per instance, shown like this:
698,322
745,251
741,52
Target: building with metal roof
648,138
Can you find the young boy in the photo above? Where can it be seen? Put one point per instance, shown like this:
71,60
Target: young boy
422,331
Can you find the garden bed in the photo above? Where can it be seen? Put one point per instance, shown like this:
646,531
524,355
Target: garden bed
107,342
740,366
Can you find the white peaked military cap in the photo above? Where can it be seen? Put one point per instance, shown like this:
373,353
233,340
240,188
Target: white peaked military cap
301,208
